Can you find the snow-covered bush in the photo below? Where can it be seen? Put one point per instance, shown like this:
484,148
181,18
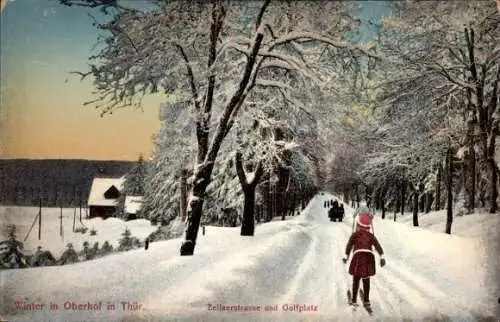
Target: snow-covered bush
174,229
105,249
81,229
128,242
42,258
69,256
85,253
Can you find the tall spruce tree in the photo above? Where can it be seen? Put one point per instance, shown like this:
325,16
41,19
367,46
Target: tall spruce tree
134,180
12,255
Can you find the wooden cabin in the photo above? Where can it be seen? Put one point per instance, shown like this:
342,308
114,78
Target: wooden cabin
103,197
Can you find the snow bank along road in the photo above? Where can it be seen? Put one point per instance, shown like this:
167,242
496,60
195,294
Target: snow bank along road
292,269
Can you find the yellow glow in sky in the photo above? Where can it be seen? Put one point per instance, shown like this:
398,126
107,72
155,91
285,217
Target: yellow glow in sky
41,104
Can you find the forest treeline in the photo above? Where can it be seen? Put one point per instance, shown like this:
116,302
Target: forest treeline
66,183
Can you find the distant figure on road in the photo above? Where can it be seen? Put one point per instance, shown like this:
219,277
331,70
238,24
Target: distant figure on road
362,264
336,212
146,244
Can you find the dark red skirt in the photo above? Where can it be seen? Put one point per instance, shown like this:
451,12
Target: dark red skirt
362,265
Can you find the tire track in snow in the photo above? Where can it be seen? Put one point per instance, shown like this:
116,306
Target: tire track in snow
254,280
330,259
321,280
297,288
420,282
343,269
174,270
427,289
195,268
411,300
384,297
377,298
333,282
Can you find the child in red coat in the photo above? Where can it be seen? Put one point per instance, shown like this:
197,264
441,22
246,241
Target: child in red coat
363,260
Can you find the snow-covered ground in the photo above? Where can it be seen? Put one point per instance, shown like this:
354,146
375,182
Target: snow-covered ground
479,224
51,239
293,264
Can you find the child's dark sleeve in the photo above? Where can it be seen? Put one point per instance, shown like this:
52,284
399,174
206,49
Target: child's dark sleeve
377,246
349,246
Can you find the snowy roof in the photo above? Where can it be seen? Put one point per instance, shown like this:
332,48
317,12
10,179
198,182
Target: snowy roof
99,188
132,204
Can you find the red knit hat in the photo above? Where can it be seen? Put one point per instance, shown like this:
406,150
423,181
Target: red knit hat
364,220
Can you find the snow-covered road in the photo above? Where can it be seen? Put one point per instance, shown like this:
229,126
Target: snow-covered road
286,265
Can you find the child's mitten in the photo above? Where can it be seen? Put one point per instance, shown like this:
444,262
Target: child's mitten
382,262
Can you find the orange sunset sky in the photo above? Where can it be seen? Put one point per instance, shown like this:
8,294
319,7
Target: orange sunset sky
41,105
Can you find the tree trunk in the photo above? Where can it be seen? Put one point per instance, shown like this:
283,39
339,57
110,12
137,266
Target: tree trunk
415,208
346,196
482,194
183,189
437,205
268,202
449,189
397,205
470,174
201,181
357,196
421,203
493,128
428,205
248,221
493,172
368,196
376,198
248,187
403,198
382,203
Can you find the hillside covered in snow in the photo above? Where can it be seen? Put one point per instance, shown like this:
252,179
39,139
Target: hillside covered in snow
290,270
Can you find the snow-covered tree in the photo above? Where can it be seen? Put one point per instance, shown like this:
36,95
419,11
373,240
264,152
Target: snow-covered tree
248,51
134,184
135,179
11,255
455,47
436,100
174,153
126,243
